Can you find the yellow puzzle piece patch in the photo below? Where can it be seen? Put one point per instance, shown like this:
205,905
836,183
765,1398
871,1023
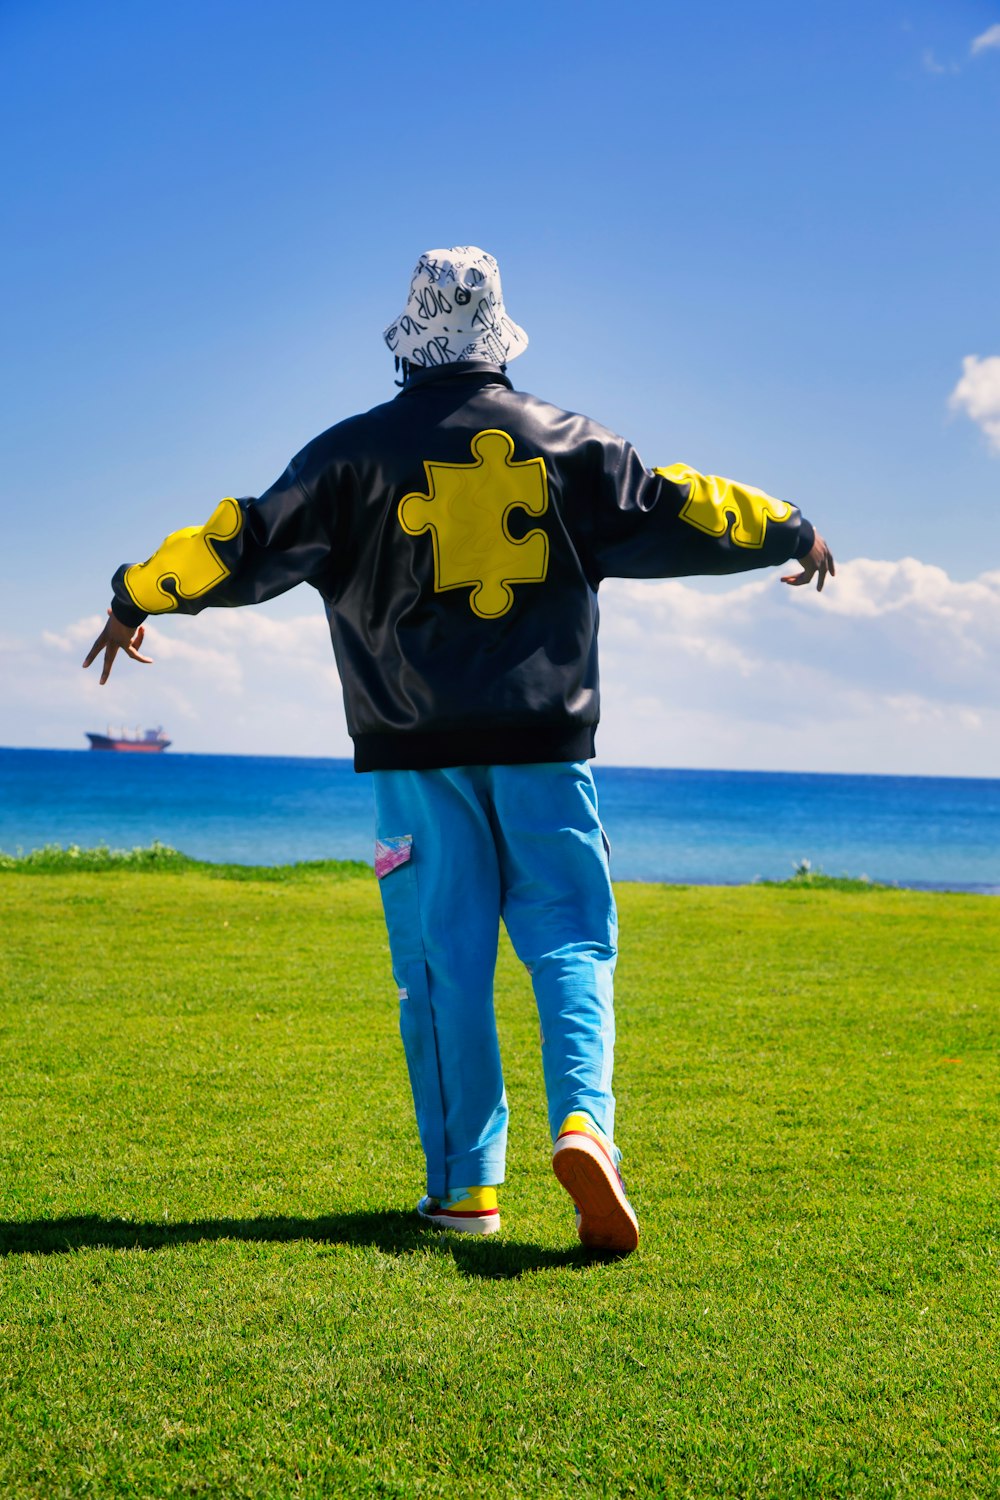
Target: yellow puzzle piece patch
712,501
188,558
466,510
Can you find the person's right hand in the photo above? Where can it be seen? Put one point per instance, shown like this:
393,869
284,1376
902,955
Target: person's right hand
113,638
819,559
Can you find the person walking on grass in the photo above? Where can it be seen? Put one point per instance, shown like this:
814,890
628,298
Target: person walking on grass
458,535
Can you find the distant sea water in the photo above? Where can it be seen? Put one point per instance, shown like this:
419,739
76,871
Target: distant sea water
689,827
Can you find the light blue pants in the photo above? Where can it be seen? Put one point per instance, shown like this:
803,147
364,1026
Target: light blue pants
457,850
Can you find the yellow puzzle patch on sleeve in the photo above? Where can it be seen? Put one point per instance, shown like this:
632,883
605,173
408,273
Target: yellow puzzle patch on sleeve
712,502
466,510
188,558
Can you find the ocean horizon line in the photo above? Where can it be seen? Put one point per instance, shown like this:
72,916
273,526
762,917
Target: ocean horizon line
597,762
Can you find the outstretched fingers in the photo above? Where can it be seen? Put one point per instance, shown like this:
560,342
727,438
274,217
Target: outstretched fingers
110,653
132,649
818,563
809,571
113,638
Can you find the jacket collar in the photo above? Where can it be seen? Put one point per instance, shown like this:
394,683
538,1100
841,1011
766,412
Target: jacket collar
483,369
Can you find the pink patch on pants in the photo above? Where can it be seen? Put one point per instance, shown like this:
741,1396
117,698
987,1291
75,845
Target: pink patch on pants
390,853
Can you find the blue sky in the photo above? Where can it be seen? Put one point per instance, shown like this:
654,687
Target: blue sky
759,239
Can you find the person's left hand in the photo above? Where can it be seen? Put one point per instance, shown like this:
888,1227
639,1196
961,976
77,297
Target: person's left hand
113,638
819,559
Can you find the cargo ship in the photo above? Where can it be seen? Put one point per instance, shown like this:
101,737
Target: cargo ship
143,740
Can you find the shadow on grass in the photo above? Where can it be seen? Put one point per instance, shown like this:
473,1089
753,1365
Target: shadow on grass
393,1232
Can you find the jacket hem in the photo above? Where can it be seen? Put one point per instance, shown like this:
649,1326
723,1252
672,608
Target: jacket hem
473,747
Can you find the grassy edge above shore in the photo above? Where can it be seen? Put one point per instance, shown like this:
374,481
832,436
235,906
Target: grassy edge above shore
53,859
160,859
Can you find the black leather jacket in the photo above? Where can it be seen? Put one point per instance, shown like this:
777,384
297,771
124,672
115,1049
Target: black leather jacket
458,534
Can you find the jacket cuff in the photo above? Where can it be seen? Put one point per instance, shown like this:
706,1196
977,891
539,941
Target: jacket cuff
127,614
807,535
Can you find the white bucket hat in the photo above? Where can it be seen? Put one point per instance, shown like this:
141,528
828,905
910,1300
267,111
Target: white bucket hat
455,311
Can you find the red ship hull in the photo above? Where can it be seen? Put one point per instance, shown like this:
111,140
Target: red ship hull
141,747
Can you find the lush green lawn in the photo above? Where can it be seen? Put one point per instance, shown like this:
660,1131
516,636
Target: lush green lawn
211,1282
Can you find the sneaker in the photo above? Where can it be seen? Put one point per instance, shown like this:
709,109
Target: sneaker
468,1210
584,1162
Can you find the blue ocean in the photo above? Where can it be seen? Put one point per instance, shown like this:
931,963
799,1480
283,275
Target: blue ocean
682,826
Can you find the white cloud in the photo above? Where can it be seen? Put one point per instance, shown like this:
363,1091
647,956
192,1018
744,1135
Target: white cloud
988,39
931,64
978,394
894,667
227,680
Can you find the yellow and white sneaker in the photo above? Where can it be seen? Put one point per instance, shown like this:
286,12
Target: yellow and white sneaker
584,1162
472,1210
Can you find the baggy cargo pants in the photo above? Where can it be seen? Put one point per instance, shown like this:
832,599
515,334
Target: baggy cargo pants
458,850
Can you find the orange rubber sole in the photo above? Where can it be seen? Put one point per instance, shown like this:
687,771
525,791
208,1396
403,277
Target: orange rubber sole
607,1219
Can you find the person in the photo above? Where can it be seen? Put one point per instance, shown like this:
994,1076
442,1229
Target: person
458,535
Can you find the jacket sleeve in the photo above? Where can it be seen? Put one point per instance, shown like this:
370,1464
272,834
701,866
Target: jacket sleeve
247,551
673,522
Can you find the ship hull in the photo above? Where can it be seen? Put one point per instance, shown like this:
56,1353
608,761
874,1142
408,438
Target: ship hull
130,747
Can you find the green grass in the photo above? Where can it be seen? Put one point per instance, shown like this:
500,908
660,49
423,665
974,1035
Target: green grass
211,1283
54,859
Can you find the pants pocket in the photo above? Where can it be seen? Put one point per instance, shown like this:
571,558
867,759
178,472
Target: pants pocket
401,905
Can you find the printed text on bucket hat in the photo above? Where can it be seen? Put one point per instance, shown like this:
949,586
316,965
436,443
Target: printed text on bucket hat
455,311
